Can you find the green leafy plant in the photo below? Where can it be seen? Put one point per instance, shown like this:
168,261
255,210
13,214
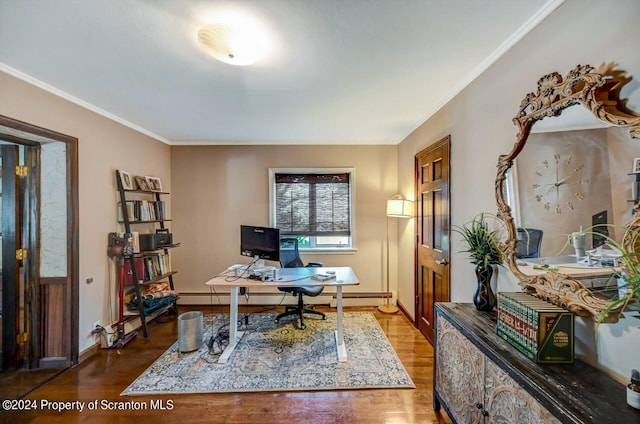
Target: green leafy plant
628,268
483,242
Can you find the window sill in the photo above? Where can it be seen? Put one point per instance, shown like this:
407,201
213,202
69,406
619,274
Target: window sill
330,251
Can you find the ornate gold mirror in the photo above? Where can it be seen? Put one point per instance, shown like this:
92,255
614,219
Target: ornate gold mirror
567,180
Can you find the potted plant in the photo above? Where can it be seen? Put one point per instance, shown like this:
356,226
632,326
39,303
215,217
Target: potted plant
627,271
485,250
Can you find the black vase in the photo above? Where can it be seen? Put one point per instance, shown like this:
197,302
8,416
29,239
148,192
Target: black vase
483,298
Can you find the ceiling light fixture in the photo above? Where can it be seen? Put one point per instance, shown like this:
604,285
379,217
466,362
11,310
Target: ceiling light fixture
233,45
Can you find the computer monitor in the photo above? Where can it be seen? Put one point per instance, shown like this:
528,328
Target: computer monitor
260,242
598,222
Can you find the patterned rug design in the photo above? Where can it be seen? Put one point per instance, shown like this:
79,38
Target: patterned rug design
279,357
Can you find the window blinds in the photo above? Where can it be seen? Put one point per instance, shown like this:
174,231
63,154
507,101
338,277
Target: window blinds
313,204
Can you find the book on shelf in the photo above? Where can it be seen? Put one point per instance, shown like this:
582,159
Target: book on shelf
128,274
131,213
543,332
148,268
135,240
144,210
156,265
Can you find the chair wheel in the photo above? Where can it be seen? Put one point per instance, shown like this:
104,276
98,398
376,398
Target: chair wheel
324,318
303,327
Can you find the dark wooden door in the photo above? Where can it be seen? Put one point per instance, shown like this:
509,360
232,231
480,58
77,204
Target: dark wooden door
12,299
432,247
42,334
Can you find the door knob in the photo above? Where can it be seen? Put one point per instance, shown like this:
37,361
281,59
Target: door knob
442,262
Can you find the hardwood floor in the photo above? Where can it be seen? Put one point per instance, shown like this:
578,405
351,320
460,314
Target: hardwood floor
107,373
16,384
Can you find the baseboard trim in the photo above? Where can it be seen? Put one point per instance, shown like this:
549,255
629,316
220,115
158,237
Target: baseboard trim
53,362
88,352
406,314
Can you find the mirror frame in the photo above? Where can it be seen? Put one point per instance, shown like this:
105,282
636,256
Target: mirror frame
599,92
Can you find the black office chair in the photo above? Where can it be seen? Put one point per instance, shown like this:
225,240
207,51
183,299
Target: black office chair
529,243
290,258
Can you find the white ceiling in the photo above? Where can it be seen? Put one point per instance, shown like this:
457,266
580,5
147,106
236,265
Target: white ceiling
342,71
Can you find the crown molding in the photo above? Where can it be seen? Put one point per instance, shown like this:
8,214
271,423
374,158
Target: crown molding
66,96
530,24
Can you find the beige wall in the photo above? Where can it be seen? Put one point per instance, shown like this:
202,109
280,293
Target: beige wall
587,148
218,188
479,121
622,152
103,146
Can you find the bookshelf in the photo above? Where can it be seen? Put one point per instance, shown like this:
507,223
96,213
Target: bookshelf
148,263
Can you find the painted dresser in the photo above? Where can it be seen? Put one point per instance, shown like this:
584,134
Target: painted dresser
480,378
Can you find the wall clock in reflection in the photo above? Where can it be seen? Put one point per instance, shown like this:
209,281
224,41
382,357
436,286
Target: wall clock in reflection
559,183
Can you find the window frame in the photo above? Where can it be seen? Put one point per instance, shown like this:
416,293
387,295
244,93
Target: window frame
352,178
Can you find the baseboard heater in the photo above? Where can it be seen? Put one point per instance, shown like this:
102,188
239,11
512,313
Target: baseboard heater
351,295
134,323
365,295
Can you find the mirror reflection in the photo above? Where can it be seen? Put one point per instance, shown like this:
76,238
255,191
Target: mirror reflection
573,174
567,172
572,180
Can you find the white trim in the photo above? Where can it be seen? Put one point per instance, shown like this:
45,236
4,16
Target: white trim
363,142
329,250
66,96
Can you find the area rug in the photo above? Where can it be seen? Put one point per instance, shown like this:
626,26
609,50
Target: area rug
279,357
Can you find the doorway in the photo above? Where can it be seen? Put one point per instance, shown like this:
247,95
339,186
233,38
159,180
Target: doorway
39,260
432,171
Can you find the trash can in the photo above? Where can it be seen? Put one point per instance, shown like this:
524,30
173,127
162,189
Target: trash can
190,329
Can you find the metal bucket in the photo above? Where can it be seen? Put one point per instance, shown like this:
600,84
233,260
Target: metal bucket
190,330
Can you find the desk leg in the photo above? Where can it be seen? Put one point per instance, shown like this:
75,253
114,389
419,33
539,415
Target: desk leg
234,334
342,349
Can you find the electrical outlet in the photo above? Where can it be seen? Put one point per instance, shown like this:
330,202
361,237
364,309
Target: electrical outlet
107,340
97,329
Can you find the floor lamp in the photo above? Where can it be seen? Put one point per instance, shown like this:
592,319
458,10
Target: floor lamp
397,207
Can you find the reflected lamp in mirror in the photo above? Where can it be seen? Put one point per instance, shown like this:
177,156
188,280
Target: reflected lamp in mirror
399,207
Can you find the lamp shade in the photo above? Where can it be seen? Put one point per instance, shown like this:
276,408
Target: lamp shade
399,207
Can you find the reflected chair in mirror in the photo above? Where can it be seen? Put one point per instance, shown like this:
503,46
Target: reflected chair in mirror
290,258
529,243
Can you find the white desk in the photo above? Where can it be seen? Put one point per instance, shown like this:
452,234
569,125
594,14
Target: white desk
574,270
294,277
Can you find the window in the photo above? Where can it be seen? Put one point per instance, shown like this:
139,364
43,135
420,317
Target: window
314,205
510,192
